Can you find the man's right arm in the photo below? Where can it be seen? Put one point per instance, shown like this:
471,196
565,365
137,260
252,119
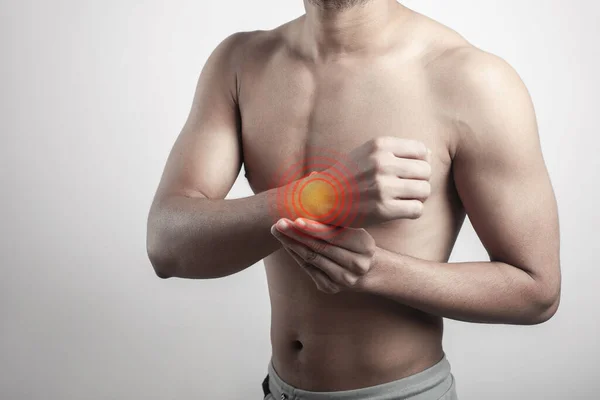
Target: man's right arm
192,231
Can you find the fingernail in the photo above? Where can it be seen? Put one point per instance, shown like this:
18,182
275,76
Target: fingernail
282,224
300,222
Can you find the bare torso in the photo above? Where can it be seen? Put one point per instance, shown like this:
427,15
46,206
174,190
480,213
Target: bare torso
290,105
332,81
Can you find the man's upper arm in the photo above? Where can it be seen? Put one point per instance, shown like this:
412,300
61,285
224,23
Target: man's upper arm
206,157
499,170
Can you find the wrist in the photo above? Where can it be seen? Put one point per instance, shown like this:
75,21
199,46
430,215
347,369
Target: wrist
313,197
382,271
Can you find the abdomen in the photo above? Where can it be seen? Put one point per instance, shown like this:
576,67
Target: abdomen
324,342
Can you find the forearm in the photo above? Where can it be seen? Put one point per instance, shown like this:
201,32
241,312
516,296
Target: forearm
200,238
484,292
203,238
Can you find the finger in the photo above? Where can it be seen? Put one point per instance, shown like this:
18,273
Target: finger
409,189
409,169
404,148
288,228
322,281
409,209
352,239
357,263
334,271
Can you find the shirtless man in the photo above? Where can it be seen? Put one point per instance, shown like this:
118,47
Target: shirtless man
358,315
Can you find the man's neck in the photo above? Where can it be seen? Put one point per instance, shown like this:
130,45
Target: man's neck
336,31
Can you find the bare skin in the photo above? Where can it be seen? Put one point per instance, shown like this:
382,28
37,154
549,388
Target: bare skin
337,78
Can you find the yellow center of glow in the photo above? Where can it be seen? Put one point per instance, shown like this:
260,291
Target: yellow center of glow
318,198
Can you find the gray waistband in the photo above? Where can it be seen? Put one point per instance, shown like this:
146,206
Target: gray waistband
431,383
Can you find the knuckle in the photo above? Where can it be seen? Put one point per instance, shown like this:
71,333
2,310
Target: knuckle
402,169
419,147
378,143
362,265
379,187
317,247
350,279
356,265
381,210
371,246
413,209
316,259
426,170
425,188
401,186
379,163
380,183
406,168
416,209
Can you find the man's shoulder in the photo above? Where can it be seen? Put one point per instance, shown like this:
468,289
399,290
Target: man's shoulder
256,44
467,79
469,68
468,84
453,63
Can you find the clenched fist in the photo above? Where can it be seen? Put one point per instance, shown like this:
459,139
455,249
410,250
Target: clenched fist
384,179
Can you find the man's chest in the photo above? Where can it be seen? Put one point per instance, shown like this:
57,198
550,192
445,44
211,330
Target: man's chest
297,120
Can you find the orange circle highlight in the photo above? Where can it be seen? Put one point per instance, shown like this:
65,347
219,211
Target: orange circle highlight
315,196
291,199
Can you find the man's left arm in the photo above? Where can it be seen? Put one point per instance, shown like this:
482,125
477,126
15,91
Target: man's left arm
502,180
503,183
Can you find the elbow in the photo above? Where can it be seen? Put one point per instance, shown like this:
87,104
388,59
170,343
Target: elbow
173,254
545,312
163,263
157,249
167,266
169,260
162,269
545,304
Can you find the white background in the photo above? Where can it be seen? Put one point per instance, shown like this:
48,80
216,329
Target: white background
92,96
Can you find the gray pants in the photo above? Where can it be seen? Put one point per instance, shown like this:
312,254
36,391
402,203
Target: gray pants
434,383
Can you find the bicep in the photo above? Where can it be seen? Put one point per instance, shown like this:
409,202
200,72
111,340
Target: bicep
206,156
501,177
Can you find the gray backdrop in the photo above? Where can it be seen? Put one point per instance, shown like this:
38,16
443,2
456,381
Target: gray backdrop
93,94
